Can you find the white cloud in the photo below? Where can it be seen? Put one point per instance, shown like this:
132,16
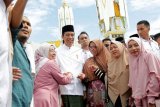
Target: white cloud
129,33
55,33
38,10
155,26
36,17
81,3
79,28
144,4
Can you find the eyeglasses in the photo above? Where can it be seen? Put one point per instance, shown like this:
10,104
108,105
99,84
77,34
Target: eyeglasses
92,47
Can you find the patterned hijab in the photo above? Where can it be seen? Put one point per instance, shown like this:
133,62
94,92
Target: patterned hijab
102,57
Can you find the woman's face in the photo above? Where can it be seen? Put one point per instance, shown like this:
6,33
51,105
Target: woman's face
93,48
51,53
114,50
133,48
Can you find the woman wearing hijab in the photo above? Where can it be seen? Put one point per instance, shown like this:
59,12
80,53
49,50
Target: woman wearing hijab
48,77
118,74
94,72
144,76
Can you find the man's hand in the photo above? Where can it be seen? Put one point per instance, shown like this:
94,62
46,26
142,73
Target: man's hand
69,74
16,73
81,76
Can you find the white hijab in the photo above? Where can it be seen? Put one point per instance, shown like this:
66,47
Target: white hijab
41,55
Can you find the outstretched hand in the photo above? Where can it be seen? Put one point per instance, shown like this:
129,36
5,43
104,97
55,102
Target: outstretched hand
69,74
93,68
81,76
16,73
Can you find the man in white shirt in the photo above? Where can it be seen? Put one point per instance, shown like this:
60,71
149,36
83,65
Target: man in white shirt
30,53
5,64
83,40
143,28
69,60
157,39
6,46
107,43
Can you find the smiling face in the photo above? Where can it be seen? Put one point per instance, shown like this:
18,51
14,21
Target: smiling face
25,31
114,50
51,53
93,48
68,38
133,48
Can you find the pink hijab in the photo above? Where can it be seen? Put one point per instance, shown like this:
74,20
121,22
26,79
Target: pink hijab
41,55
141,67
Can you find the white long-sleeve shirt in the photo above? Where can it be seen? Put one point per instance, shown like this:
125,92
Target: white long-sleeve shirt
151,46
5,61
85,54
30,54
70,60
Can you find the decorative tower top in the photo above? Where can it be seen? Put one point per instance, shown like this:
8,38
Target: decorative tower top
113,17
65,15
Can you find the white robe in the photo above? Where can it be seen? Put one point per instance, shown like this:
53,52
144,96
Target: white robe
70,60
5,61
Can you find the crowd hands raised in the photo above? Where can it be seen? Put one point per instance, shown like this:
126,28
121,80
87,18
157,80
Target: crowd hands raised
125,72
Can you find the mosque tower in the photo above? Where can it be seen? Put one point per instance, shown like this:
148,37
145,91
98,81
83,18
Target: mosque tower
65,15
113,17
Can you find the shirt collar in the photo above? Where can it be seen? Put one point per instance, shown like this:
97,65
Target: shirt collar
85,51
66,47
150,39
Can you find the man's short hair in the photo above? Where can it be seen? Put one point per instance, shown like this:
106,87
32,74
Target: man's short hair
106,39
120,39
156,36
67,28
145,22
82,33
134,35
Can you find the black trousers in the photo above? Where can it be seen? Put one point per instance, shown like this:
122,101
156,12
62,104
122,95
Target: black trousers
118,102
72,101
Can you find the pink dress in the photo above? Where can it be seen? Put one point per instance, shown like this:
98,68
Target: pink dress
46,85
144,76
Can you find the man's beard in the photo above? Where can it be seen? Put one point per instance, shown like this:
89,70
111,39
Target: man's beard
22,39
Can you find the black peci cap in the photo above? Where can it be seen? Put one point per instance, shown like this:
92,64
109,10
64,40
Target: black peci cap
67,28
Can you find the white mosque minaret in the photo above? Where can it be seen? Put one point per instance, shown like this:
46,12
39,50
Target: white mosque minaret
113,17
65,15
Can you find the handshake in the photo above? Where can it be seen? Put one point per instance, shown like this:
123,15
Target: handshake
68,74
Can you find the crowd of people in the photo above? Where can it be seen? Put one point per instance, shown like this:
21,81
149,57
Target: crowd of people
107,73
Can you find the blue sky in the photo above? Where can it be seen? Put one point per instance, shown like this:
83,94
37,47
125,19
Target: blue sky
44,19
